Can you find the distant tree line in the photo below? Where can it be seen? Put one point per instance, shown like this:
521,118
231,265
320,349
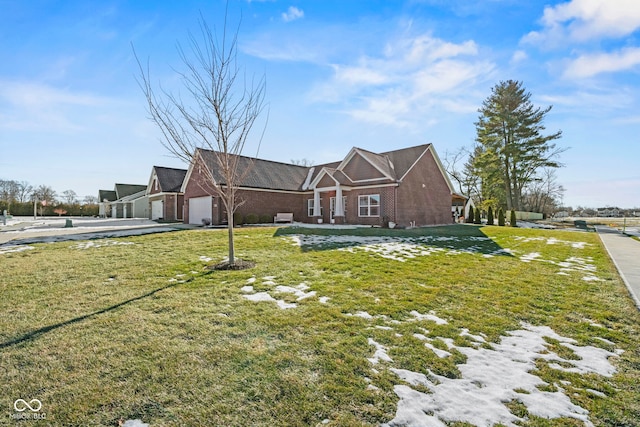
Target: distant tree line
19,197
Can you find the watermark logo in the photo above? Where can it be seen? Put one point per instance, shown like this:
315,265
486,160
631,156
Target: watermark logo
21,405
28,410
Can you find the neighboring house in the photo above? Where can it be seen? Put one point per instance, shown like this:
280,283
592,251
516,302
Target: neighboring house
407,187
125,201
165,198
609,212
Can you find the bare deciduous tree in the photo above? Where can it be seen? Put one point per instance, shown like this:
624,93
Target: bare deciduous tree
218,114
69,197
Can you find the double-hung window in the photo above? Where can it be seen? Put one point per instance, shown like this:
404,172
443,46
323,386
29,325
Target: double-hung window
369,205
310,207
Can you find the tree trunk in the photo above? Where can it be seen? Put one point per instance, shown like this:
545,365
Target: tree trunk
232,255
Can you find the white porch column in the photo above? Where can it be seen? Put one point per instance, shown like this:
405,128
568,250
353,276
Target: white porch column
114,211
124,210
339,209
316,202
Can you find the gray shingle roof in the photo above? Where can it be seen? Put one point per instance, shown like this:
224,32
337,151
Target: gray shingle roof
264,174
403,159
170,179
124,190
267,174
108,195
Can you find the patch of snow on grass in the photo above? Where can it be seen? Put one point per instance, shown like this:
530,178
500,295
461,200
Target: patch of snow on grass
530,257
491,377
99,244
298,291
260,296
14,248
324,300
431,316
379,354
396,248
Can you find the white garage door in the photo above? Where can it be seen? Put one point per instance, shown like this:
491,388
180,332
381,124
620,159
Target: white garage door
156,209
199,208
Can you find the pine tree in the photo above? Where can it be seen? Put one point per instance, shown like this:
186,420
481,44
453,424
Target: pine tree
513,222
512,146
490,216
500,217
477,219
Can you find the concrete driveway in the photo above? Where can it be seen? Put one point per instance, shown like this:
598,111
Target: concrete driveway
24,230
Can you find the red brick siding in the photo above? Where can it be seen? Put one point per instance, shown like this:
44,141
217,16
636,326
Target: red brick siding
424,196
270,203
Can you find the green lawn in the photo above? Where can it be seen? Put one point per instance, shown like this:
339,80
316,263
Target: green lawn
137,328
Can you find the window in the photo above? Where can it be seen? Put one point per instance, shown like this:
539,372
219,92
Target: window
369,205
310,207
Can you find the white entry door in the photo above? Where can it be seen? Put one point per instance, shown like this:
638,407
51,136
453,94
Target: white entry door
199,209
157,209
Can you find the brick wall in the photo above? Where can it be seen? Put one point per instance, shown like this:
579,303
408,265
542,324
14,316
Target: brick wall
424,196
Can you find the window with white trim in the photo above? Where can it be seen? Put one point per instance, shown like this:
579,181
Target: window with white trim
310,207
369,205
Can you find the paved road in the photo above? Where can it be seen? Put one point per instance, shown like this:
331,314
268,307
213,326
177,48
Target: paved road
625,253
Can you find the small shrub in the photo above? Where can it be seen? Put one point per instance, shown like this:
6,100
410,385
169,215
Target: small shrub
251,219
500,217
469,219
266,219
477,219
490,216
513,222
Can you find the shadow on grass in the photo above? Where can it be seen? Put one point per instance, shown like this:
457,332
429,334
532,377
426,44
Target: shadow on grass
463,238
39,332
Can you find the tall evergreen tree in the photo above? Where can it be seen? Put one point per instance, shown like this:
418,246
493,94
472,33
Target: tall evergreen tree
509,132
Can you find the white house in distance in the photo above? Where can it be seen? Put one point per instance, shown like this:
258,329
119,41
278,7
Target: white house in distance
125,201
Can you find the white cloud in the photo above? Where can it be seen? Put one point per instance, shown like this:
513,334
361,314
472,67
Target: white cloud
412,82
31,106
584,20
292,14
519,56
592,64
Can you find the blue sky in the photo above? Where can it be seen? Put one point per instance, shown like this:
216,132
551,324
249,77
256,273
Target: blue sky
375,74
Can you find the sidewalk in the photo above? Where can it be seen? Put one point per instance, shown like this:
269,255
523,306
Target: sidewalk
625,253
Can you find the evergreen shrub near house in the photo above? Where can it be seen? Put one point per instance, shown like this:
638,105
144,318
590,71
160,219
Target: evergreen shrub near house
477,219
513,219
251,219
266,219
469,218
490,216
501,217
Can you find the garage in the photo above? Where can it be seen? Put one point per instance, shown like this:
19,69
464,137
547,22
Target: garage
199,209
157,209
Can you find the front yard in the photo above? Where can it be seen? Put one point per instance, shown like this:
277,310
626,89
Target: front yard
458,325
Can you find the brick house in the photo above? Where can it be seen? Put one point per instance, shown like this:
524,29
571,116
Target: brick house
166,201
407,186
